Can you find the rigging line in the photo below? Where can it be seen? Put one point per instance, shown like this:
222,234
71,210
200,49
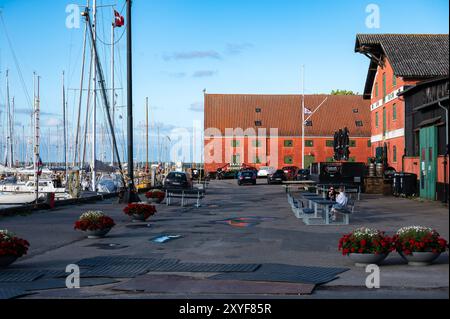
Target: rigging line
115,42
16,62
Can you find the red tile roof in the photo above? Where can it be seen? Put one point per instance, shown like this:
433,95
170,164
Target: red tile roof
284,112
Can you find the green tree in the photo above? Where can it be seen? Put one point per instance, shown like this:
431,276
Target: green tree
342,92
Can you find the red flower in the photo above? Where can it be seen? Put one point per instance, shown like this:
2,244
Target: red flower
13,246
140,210
103,222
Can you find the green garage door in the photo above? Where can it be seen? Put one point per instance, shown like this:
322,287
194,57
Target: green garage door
309,160
428,162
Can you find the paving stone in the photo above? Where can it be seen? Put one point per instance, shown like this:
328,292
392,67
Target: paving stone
186,285
286,273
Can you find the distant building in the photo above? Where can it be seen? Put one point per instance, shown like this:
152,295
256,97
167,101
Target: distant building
266,130
398,61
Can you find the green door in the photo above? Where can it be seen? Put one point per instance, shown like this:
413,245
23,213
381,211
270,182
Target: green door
428,162
309,160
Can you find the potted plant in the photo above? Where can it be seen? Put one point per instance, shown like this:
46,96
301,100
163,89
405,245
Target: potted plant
11,248
140,212
366,246
419,245
155,196
95,224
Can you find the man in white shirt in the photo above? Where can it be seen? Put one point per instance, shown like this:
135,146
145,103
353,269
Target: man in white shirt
341,202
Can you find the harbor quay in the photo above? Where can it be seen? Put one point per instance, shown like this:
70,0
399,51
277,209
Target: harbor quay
264,231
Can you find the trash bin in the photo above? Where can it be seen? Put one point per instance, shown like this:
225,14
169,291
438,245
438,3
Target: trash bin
50,200
405,184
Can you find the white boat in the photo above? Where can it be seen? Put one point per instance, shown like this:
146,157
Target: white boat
45,186
17,198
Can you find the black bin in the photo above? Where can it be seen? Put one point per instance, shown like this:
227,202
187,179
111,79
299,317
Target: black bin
404,184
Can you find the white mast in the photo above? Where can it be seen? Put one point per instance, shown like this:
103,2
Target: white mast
94,107
65,129
36,137
303,117
113,98
9,140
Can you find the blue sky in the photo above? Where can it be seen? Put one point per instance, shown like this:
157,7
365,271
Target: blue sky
226,46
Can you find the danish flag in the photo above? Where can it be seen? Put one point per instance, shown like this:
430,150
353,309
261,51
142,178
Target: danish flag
119,20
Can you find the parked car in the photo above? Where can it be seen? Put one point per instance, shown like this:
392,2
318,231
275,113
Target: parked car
178,180
277,178
291,172
265,171
247,177
303,175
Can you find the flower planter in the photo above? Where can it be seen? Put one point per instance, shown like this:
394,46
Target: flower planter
139,218
362,260
5,261
420,258
95,234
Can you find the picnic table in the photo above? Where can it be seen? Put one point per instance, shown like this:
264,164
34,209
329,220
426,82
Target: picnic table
322,189
185,194
325,206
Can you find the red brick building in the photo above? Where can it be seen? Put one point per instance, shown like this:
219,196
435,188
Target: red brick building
265,130
397,62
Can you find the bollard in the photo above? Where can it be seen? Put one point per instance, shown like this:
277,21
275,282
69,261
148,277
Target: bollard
50,200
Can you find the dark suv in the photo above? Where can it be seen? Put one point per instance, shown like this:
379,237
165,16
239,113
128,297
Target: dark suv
303,175
177,180
291,172
277,178
247,177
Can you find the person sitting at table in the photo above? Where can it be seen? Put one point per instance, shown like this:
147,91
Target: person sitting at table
332,194
341,203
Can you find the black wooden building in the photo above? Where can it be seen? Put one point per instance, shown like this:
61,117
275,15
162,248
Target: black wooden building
426,134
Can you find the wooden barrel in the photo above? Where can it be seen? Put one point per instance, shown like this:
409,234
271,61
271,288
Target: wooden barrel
372,170
380,170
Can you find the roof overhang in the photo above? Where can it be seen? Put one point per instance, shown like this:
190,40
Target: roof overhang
376,54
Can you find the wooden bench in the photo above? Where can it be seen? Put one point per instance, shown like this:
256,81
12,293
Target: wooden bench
346,212
185,194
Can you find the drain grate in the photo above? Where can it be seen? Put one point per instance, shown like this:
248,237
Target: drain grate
115,260
11,293
20,275
116,271
197,267
286,273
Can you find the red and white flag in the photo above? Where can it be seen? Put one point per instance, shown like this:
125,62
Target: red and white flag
119,20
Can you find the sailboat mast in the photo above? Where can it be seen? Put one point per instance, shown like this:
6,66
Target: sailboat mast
36,138
113,97
64,128
147,167
94,102
9,124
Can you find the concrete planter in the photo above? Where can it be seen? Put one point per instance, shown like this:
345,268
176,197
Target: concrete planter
362,260
420,258
139,218
5,261
96,234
